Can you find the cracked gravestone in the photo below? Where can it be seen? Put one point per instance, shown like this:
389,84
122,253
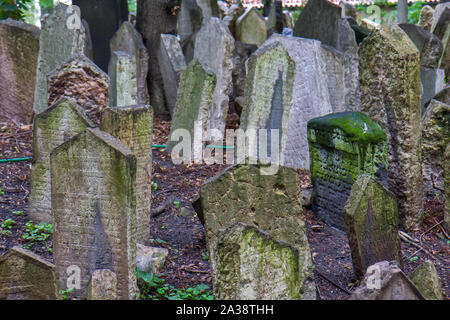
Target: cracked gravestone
251,27
123,90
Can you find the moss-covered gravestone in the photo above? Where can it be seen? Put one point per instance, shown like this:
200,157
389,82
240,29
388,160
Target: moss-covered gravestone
251,265
390,95
441,28
343,146
26,276
122,72
133,126
93,179
372,224
251,27
270,202
426,279
447,187
59,123
103,285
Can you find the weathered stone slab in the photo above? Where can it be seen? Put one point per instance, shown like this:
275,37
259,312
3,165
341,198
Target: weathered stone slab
150,259
103,285
275,18
19,49
426,18
210,8
26,276
80,79
390,94
123,90
343,146
133,126
444,95
427,281
441,28
271,202
57,44
440,9
214,47
251,265
432,82
93,204
435,137
385,281
371,219
59,123
447,188
235,10
172,64
251,27
240,55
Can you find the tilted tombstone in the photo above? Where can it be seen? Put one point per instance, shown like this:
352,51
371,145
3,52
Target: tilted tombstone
80,79
18,71
270,202
133,126
94,209
189,21
371,219
172,64
426,18
343,146
59,123
26,276
426,279
390,95
432,82
251,27
123,90
447,187
441,28
102,286
252,265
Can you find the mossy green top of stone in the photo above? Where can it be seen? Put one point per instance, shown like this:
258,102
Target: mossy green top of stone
427,281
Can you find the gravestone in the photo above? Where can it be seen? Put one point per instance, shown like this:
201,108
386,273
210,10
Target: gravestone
371,219
171,64
402,11
235,10
440,9
426,17
122,73
93,179
270,202
79,78
104,18
432,82
59,123
427,281
390,94
210,8
151,259
275,19
241,53
385,281
252,265
447,188
435,137
441,28
214,47
26,276
133,126
19,49
251,27
103,285
444,95
128,40
189,21
58,43
343,146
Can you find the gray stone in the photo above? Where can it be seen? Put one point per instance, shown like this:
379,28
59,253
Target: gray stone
171,64
426,18
402,11
371,218
447,188
122,73
274,21
103,285
444,95
390,95
150,259
93,178
26,276
438,11
19,49
59,123
240,55
251,27
233,13
432,82
210,8
441,28
426,279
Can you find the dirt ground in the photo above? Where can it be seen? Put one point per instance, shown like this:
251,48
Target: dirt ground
176,226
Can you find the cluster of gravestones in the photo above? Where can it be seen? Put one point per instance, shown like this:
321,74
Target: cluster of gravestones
366,111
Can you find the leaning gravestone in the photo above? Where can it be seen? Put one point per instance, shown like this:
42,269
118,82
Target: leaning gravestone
441,28
426,279
447,187
432,82
128,40
189,21
79,78
435,137
26,276
133,126
171,64
390,94
59,40
93,204
59,123
270,202
343,146
214,47
371,219
19,49
251,27
251,265
103,285
123,89
426,18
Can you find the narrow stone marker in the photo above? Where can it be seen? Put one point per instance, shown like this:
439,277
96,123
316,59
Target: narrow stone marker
252,265
251,27
133,126
441,28
426,279
59,123
93,178
343,146
103,285
426,17
122,74
447,187
371,219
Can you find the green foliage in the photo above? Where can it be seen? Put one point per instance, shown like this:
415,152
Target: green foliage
17,213
205,255
13,9
296,12
65,293
36,233
414,12
132,6
6,226
154,186
153,287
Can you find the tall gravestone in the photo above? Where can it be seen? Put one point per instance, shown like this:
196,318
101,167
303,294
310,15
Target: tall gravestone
441,28
133,126
270,202
19,49
189,21
343,146
251,27
371,219
93,204
122,73
79,78
447,187
59,123
390,94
